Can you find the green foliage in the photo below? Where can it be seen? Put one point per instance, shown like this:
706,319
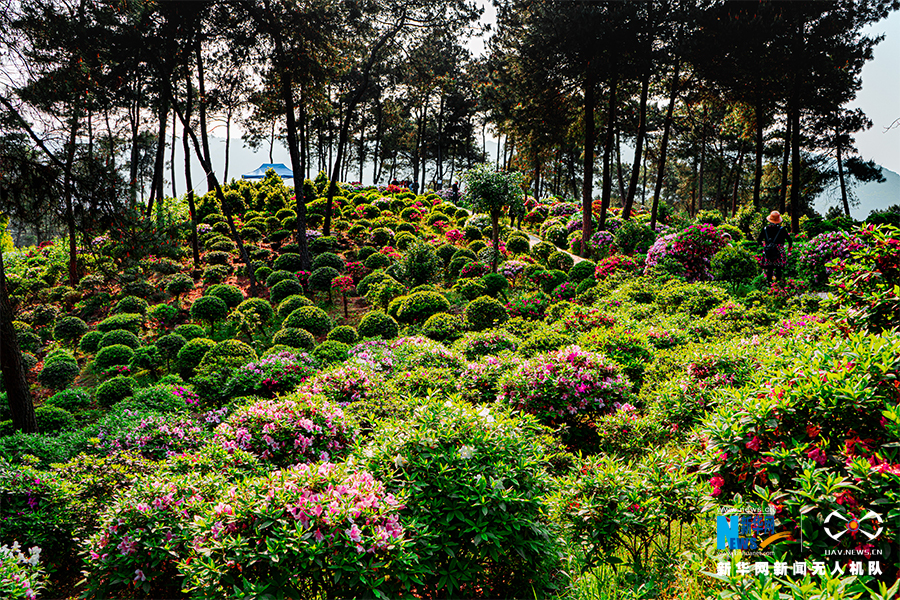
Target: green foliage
120,336
275,276
59,371
560,261
190,331
695,299
69,330
192,353
284,289
377,261
376,324
72,399
494,284
419,306
421,263
471,288
294,337
443,327
292,303
320,279
331,352
474,482
311,318
258,310
113,356
734,265
170,344
343,333
131,304
288,262
129,321
179,284
231,295
581,271
51,419
328,259
209,309
225,356
484,312
164,313
90,342
115,390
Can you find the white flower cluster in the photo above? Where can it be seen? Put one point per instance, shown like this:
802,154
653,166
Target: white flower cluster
15,553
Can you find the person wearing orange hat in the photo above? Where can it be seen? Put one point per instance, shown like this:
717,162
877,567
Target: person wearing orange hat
773,238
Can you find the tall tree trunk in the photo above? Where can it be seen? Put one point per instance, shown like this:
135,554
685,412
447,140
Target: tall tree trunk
702,172
587,187
840,166
227,143
272,142
18,393
664,146
188,180
638,148
782,196
159,165
758,172
796,209
134,115
204,132
607,150
172,155
737,179
67,193
619,177
439,170
362,146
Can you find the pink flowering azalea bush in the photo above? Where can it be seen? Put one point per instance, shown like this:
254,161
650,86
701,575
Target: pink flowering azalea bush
286,431
312,529
347,383
807,424
156,435
617,263
559,385
479,381
269,376
813,257
692,249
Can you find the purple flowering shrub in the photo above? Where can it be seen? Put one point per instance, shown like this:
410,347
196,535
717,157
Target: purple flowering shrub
564,383
296,533
528,306
375,355
156,435
272,375
813,256
345,384
693,248
287,431
479,381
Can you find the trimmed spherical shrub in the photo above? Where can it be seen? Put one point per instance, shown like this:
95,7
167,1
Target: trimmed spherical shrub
147,357
164,313
734,265
231,295
320,279
343,333
550,280
217,257
325,243
311,318
72,399
377,324
130,304
330,352
328,259
369,280
295,338
558,385
543,340
443,327
226,355
216,273
377,261
257,309
283,289
69,330
262,273
276,276
487,343
209,309
179,284
470,288
170,344
542,250
582,270
484,313
517,244
120,336
365,252
130,321
50,419
59,372
417,307
288,262
190,331
456,265
292,303
115,390
192,353
560,261
494,283
111,356
90,342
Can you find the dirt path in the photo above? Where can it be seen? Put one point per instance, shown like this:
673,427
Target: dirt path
535,240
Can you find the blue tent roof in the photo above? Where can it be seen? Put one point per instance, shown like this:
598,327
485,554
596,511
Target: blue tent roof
259,173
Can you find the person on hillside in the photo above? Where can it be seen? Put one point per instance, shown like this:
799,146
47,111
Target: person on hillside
773,238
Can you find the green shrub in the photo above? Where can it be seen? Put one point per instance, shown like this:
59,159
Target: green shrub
494,283
179,284
343,333
129,321
330,352
292,303
59,372
170,344
484,313
147,357
320,279
325,243
115,390
365,252
632,237
217,257
369,280
190,331
72,399
377,261
284,289
51,419
454,462
90,342
377,324
209,309
130,304
112,356
518,244
192,353
216,273
550,280
421,263
417,307
328,259
470,288
543,340
120,336
164,313
257,309
487,343
443,327
276,276
288,262
581,271
262,273
295,338
734,265
311,318
542,250
695,299
231,295
69,330
560,261
225,356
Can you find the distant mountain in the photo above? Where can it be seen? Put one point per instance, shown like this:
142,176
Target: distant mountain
872,196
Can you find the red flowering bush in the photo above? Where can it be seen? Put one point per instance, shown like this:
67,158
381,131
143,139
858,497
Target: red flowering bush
617,263
693,248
